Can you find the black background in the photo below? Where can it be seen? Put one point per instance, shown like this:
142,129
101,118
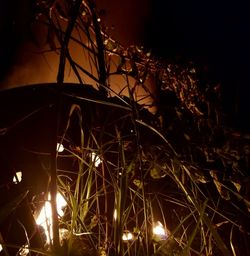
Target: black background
216,36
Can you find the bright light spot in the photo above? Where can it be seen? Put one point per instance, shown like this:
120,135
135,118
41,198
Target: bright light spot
96,159
159,232
127,236
158,229
63,235
18,177
115,214
59,147
44,219
24,251
1,247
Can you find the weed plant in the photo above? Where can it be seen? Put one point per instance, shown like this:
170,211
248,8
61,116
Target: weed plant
126,168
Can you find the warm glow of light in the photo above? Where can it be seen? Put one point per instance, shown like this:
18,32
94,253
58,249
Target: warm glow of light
59,147
1,247
63,235
96,159
44,219
127,236
24,251
18,177
159,232
115,214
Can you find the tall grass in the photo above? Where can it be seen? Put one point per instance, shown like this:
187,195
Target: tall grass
125,169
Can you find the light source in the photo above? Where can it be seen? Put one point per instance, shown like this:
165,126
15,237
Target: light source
44,218
159,233
17,177
115,214
127,236
95,159
59,147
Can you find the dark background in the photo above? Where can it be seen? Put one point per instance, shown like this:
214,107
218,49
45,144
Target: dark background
216,36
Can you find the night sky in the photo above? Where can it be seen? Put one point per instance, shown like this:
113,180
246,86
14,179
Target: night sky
213,34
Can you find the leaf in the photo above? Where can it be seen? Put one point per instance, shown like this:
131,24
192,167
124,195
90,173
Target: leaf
237,185
217,225
94,222
187,137
222,191
157,173
110,45
138,183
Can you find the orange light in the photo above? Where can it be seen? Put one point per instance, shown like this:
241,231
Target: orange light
44,218
159,233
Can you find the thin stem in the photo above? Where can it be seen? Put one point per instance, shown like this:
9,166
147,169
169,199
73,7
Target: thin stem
100,49
67,36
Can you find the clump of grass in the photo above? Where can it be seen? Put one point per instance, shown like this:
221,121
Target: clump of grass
123,168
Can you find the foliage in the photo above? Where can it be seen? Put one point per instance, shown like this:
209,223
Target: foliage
180,165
